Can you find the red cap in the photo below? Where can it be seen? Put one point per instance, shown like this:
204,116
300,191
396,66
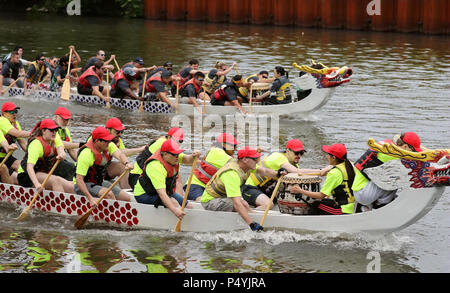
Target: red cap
176,133
9,106
172,147
338,150
413,140
294,145
248,152
63,112
227,138
48,124
115,124
102,133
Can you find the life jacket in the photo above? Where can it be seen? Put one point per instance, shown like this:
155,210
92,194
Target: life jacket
36,77
118,76
10,138
259,180
206,170
171,179
220,93
45,163
89,72
343,193
191,81
145,154
63,134
284,93
370,159
183,80
97,172
212,83
149,87
216,188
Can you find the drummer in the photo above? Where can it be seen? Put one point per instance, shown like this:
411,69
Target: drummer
280,92
228,94
258,189
262,77
223,191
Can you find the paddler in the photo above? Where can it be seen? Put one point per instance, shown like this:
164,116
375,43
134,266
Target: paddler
280,92
122,83
156,86
223,191
4,171
36,72
214,159
258,189
157,183
193,90
90,81
228,94
93,157
42,153
217,76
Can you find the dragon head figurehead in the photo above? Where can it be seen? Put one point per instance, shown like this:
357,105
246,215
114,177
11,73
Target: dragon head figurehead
326,76
429,168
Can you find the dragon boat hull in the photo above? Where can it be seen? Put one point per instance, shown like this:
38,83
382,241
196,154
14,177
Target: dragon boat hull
316,99
406,209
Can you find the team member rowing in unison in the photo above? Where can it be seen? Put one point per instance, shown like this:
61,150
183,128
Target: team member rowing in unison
90,81
217,76
228,94
42,153
6,148
93,159
193,89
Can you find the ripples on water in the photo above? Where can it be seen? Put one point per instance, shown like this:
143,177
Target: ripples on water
400,83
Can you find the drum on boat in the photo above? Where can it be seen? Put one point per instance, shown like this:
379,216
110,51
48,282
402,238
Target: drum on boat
297,204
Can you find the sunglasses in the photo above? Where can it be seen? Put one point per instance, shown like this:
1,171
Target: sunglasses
12,111
51,130
175,155
180,141
41,59
265,76
299,153
102,54
119,132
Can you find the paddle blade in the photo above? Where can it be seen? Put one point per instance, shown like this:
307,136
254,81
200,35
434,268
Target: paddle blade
82,220
141,107
65,91
178,226
24,215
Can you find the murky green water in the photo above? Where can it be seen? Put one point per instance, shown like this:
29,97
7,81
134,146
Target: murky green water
400,83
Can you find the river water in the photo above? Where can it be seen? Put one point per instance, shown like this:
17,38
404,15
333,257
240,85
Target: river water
400,83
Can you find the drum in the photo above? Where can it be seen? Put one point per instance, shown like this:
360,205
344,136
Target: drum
297,204
260,86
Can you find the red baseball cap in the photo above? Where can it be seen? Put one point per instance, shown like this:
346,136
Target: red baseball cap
248,152
413,140
227,138
48,124
176,133
9,106
172,147
102,133
115,124
63,112
338,150
295,145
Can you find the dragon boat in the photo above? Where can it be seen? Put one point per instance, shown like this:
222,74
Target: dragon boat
313,88
420,179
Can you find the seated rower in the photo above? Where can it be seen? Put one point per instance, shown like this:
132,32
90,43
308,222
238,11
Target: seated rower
157,183
186,73
217,76
258,189
116,128
100,56
90,81
11,71
93,158
138,66
223,191
280,92
175,134
193,90
214,159
4,170
367,194
60,74
262,77
227,94
42,153
336,193
122,83
11,129
36,73
155,85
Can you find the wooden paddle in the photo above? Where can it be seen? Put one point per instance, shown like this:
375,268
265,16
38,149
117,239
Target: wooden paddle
141,107
269,205
194,165
250,102
108,104
6,158
82,220
13,83
65,91
177,97
117,64
24,215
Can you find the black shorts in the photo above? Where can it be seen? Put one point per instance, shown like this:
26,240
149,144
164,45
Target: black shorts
9,163
132,180
250,193
24,180
215,102
88,91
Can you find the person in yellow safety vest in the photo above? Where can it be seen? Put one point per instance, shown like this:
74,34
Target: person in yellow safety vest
36,72
217,76
212,161
258,189
280,92
4,171
367,194
223,191
262,77
336,196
